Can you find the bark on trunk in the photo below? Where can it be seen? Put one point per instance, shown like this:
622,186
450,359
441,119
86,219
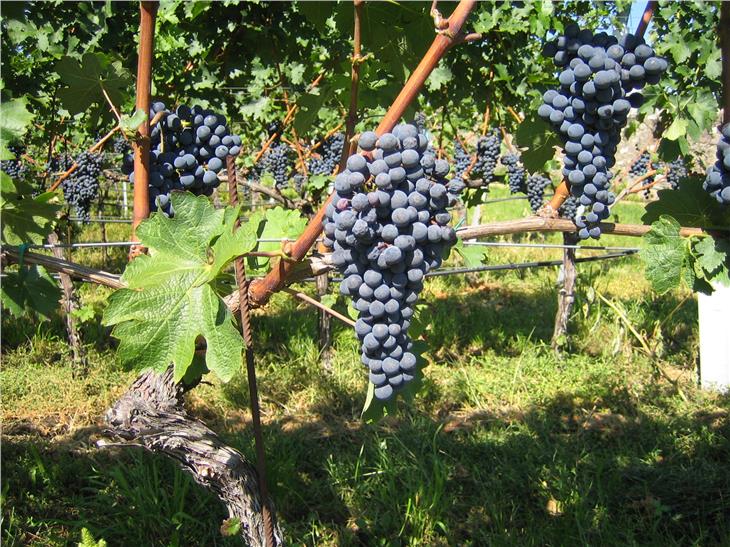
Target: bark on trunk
151,415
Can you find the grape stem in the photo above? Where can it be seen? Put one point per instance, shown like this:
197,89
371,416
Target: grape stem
317,304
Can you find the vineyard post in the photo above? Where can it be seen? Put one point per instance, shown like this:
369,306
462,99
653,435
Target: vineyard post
70,305
566,294
262,289
141,210
562,192
246,332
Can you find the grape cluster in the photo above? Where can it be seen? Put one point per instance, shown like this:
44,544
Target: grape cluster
81,187
591,107
641,166
535,190
488,151
187,151
676,171
16,168
717,182
516,174
388,226
277,161
329,156
569,208
120,145
462,159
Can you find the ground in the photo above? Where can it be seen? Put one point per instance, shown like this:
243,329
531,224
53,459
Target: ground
506,443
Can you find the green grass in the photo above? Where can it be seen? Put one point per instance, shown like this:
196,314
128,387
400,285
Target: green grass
504,445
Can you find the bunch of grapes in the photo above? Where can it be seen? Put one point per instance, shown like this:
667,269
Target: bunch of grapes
388,226
569,208
329,156
536,185
16,168
120,145
676,171
717,182
277,161
591,107
462,159
187,151
641,166
516,174
81,187
488,151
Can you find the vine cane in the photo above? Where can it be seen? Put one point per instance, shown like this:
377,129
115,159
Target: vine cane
246,332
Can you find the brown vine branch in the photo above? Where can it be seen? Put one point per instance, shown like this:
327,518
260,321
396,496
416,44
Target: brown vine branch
262,289
141,204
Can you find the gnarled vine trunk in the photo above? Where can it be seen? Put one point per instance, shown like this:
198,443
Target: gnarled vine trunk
151,415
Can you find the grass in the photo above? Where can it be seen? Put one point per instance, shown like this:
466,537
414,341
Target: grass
504,445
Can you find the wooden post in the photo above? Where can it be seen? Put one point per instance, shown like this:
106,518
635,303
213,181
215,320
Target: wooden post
566,294
69,304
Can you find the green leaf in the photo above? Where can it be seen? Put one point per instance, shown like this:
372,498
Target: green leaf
689,204
713,66
712,258
30,290
14,120
86,81
540,141
170,300
665,255
473,255
129,124
439,78
24,219
676,130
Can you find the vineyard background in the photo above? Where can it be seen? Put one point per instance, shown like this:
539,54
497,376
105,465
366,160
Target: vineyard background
507,442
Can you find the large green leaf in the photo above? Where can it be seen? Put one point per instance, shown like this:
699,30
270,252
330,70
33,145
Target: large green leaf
689,204
14,120
87,80
540,141
665,256
25,219
30,289
170,300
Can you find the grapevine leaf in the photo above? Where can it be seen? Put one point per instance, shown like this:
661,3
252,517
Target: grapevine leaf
665,255
14,119
170,301
676,130
24,219
473,255
278,224
85,81
129,124
540,141
689,204
712,259
30,289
